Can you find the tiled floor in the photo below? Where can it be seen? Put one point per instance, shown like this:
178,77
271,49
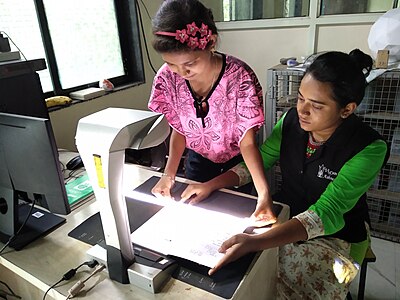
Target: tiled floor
383,276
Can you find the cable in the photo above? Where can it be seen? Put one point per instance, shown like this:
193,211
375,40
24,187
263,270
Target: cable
79,285
71,273
11,291
145,8
20,228
63,168
5,295
71,175
144,36
91,264
14,44
52,286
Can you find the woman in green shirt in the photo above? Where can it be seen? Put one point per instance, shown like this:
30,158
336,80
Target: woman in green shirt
329,158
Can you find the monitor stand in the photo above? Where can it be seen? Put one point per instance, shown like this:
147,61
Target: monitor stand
39,224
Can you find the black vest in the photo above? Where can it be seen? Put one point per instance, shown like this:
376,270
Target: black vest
304,180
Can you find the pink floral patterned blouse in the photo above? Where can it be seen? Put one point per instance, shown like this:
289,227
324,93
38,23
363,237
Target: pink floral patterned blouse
235,103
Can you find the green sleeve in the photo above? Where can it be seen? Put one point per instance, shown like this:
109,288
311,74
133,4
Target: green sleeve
270,149
352,181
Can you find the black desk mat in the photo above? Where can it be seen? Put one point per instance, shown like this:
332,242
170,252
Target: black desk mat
224,282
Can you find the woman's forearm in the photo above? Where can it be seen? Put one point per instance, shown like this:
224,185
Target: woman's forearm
177,146
227,179
291,231
254,163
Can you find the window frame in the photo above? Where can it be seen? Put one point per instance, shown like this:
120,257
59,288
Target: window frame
256,11
313,21
131,50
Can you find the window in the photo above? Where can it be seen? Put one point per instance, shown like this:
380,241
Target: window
333,7
238,10
241,10
82,41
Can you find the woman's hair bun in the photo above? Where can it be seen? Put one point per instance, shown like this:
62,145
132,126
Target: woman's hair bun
364,61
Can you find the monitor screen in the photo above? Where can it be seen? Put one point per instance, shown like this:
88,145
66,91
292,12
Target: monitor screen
29,168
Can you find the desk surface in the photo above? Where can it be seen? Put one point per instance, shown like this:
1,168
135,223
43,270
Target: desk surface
43,262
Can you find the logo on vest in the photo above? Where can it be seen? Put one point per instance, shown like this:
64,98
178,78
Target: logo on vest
325,173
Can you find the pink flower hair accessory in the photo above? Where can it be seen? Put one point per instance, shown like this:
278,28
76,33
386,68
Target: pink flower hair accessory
188,35
181,35
193,43
192,29
204,30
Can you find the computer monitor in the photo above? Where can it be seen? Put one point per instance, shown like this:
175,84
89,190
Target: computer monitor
29,170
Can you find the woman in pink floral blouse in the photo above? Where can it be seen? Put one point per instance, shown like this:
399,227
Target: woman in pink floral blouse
212,101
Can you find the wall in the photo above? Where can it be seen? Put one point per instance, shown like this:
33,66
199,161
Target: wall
259,43
262,48
343,38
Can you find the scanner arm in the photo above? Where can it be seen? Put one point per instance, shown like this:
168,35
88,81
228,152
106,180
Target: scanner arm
101,139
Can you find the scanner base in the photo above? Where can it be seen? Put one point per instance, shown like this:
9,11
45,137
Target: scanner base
141,273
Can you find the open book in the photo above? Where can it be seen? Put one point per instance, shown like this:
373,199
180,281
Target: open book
193,232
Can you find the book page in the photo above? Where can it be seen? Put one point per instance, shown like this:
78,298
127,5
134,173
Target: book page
189,232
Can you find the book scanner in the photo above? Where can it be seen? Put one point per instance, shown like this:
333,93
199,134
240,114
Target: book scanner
101,139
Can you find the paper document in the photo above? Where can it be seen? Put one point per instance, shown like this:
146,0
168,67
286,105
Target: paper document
189,232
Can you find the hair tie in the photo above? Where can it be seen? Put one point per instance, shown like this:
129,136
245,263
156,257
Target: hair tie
192,35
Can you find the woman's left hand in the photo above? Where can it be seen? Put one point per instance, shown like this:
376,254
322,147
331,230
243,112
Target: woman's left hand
234,248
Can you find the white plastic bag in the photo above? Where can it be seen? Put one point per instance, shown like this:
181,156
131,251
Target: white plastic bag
385,35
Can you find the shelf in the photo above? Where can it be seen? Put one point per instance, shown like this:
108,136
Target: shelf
394,160
20,67
385,195
392,116
385,231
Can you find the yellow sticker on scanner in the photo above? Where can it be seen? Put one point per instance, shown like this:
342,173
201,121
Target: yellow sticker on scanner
99,171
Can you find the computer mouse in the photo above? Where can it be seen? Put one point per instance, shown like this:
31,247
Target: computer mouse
75,163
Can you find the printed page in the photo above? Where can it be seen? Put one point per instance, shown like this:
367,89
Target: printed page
189,232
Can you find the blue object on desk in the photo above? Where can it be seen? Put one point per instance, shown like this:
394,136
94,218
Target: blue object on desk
292,63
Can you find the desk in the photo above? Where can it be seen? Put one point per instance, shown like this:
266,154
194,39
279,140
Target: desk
31,271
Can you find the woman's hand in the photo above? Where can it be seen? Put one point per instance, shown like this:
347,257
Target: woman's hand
162,189
264,214
234,248
196,193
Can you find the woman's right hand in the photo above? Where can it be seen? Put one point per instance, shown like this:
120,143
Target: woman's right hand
196,193
162,189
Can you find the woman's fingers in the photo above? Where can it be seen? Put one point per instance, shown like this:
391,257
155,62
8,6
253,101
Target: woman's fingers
234,248
195,193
